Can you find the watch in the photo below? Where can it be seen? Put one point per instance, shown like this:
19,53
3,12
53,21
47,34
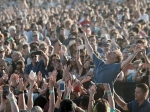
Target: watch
20,92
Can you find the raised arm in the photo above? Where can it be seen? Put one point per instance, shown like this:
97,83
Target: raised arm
30,96
52,82
109,94
13,102
92,91
21,99
88,46
45,58
120,102
131,57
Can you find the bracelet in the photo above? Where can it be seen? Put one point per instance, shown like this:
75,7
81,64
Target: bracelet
11,100
67,97
109,93
51,91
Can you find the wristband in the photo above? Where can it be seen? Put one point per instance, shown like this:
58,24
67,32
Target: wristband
51,91
11,100
109,93
67,97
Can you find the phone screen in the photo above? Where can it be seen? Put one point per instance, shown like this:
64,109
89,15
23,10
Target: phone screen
62,86
5,91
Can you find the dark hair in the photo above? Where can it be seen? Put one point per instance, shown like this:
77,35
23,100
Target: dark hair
143,86
66,105
140,41
40,101
32,24
55,41
84,102
20,63
135,29
99,93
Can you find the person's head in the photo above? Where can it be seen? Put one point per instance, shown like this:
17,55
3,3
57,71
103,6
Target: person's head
57,45
2,52
67,106
68,23
140,42
101,106
17,37
114,56
34,27
50,50
87,64
137,64
40,101
35,36
43,47
7,51
104,30
12,31
106,46
141,91
3,66
84,102
142,10
2,39
33,57
62,31
47,41
54,58
16,55
36,109
86,16
94,46
125,54
92,39
20,68
79,41
53,34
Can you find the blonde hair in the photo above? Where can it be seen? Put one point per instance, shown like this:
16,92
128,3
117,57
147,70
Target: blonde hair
68,21
137,62
119,56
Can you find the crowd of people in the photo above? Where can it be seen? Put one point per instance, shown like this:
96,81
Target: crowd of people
66,55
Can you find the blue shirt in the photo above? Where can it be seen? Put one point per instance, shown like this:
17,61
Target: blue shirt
105,73
39,66
129,78
134,106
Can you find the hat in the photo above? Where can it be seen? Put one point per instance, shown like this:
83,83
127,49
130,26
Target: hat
1,48
105,43
87,25
103,35
32,52
34,42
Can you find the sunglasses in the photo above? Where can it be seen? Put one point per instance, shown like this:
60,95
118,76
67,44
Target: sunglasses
24,47
33,56
34,35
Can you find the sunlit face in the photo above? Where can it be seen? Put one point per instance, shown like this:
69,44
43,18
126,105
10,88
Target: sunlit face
139,95
57,46
15,57
112,55
35,28
136,66
43,48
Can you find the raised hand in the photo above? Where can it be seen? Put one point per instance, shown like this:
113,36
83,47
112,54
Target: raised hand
52,81
21,85
14,80
92,90
106,86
